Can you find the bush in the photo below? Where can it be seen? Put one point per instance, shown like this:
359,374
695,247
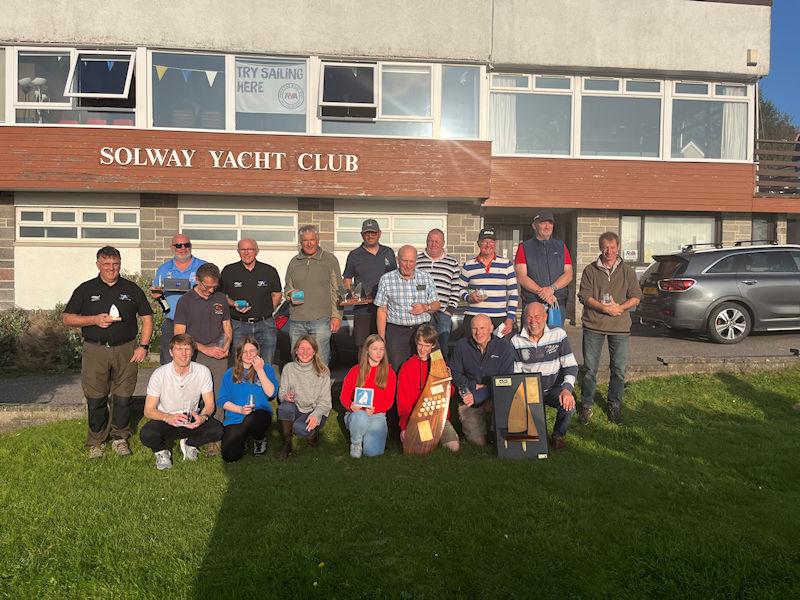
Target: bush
47,343
13,322
158,315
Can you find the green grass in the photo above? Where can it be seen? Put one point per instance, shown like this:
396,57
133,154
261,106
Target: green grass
697,497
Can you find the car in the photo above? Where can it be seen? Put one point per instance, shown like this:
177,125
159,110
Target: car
724,292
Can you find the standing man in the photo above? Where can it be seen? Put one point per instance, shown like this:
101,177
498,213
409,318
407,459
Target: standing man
313,278
489,285
445,271
609,290
476,358
547,352
182,266
203,313
366,265
254,292
105,308
406,298
543,265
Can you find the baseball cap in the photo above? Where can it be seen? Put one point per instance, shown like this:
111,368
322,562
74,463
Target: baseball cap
370,225
487,232
544,216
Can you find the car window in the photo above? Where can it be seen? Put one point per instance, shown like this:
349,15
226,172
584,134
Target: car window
667,267
796,259
768,262
726,265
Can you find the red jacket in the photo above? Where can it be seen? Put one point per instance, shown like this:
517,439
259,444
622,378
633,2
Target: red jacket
383,398
410,382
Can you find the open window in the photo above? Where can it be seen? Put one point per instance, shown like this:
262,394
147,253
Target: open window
349,91
100,75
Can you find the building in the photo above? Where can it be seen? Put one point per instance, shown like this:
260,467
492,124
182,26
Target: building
123,123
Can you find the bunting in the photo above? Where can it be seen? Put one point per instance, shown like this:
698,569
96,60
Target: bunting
211,75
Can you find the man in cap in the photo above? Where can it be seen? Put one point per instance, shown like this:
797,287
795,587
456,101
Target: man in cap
543,265
365,266
489,285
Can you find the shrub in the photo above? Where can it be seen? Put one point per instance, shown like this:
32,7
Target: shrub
13,322
47,343
158,315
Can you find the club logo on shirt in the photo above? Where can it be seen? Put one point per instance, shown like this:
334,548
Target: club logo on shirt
262,283
217,308
95,298
494,356
125,297
385,261
551,350
526,354
237,284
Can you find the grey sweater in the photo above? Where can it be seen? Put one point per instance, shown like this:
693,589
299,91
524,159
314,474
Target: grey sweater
312,392
319,276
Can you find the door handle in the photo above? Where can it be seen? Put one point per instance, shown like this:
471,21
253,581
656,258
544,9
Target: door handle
749,281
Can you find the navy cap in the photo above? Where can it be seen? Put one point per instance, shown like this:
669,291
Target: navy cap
370,225
487,232
544,216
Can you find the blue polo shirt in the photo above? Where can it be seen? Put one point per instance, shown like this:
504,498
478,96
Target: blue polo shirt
169,270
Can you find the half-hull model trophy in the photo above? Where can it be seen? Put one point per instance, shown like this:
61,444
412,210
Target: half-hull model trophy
426,423
519,416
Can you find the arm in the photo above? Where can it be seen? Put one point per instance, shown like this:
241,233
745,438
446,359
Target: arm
227,330
381,320
266,376
336,281
73,320
455,289
381,301
324,403
512,300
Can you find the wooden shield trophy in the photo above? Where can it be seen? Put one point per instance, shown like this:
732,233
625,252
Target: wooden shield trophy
519,415
426,423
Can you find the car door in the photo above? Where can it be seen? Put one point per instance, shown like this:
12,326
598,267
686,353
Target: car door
770,281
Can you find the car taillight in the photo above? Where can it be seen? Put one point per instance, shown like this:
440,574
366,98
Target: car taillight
675,285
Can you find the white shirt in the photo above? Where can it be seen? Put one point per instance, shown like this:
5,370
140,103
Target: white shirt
179,393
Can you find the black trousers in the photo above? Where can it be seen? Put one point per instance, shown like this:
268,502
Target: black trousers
399,340
255,425
157,435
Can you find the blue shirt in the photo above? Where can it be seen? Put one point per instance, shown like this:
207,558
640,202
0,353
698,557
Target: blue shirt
397,294
239,392
169,270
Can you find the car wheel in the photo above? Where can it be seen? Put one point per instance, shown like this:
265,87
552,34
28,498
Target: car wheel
729,323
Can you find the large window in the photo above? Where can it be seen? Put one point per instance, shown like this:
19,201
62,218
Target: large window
271,94
266,227
530,114
188,91
47,223
643,236
397,230
620,120
460,102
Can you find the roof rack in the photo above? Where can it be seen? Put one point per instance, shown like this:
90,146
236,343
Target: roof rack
690,247
772,242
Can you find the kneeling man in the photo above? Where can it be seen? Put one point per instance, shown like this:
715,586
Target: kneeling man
547,352
173,405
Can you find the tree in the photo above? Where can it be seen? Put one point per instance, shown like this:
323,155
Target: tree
773,123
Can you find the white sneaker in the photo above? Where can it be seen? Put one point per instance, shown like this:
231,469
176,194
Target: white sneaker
356,450
189,452
163,460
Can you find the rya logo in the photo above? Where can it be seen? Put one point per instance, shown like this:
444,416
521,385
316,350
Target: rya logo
262,283
237,284
95,298
125,297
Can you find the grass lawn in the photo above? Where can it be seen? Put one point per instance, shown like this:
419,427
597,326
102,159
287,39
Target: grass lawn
698,496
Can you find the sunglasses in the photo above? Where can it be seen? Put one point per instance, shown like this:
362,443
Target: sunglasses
186,245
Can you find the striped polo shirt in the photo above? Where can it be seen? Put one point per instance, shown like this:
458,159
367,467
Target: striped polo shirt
445,271
499,281
551,357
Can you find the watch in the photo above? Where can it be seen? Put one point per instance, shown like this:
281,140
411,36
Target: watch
145,346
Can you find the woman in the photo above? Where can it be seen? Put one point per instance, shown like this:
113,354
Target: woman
305,394
411,380
368,425
244,395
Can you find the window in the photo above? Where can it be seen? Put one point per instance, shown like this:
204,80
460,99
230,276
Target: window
460,102
397,230
642,237
766,262
265,227
77,224
763,228
188,91
348,91
271,94
527,122
100,75
405,91
42,77
709,129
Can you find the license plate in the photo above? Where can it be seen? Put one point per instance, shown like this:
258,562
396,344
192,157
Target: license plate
650,290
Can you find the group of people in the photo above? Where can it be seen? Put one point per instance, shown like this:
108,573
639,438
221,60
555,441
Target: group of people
216,381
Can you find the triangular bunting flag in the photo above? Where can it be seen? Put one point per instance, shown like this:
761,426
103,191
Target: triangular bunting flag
110,64
160,70
186,73
211,76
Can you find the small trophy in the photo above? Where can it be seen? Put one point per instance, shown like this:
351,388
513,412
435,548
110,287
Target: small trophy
113,312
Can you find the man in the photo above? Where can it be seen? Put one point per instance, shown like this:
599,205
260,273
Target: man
406,298
173,405
609,290
105,308
445,271
203,313
476,358
253,289
312,286
366,265
184,266
547,352
543,265
489,285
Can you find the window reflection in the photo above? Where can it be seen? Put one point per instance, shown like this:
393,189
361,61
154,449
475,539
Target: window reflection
188,91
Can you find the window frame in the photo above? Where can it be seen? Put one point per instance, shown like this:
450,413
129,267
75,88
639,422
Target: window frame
375,87
76,56
343,245
643,215
239,225
79,224
379,116
22,104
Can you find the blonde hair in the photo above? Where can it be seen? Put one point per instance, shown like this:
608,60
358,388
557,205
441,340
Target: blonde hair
382,374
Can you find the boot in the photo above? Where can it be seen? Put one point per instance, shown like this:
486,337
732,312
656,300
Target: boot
286,430
313,439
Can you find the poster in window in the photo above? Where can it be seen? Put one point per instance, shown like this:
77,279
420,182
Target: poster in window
630,255
270,87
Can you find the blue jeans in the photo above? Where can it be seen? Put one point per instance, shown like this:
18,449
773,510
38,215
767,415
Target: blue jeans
319,329
288,411
618,358
443,324
369,430
563,416
263,331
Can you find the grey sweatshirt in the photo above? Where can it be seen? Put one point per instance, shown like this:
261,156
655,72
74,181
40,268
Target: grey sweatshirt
312,392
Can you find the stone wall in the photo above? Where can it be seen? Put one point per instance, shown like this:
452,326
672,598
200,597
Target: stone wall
463,224
158,223
589,224
780,228
319,212
7,235
735,227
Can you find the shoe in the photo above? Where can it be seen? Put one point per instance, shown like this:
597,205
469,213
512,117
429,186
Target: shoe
286,430
313,439
121,447
259,447
163,460
96,451
189,452
586,414
557,442
212,449
356,450
614,414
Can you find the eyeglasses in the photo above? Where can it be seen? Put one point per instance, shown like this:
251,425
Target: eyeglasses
186,245
248,249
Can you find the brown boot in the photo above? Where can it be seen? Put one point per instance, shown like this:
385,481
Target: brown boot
286,430
313,439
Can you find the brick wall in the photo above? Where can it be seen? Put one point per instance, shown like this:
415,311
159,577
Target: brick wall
463,225
589,224
7,235
319,212
158,223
